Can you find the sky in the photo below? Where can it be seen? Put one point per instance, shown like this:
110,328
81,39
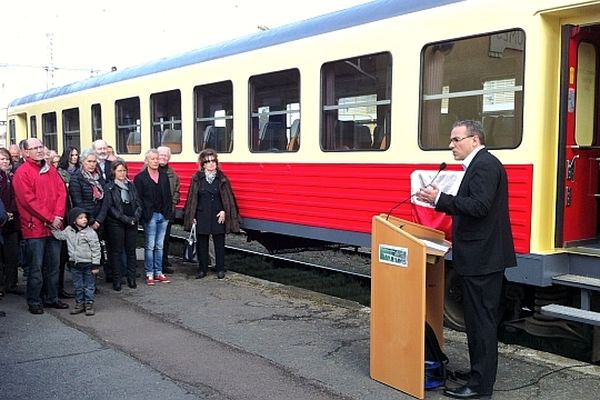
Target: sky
80,38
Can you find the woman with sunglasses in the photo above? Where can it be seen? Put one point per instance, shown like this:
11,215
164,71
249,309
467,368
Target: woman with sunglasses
211,205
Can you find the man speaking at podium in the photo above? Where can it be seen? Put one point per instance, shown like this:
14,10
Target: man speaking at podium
482,248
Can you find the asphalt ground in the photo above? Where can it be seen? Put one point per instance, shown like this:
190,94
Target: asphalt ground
237,338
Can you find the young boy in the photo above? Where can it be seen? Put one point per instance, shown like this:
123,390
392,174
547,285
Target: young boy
84,255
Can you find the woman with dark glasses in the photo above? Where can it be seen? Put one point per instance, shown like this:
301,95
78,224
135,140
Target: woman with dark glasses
211,205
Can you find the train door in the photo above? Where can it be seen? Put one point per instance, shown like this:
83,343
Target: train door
580,137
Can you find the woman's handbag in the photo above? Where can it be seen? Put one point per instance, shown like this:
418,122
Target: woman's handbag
189,250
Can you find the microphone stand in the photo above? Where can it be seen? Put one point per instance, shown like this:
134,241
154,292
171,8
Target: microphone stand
440,169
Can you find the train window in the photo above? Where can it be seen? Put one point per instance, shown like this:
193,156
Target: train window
32,127
12,131
275,111
71,133
96,122
166,120
356,103
213,127
478,78
129,128
49,130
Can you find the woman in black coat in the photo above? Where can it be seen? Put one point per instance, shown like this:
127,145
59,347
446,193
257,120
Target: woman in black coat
123,213
86,188
211,205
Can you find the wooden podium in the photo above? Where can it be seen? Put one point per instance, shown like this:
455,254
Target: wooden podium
407,289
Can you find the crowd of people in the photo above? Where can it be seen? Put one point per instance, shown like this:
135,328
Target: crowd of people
80,212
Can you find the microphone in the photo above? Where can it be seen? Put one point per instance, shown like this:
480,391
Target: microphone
440,169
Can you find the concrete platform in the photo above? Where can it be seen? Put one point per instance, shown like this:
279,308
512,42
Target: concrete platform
237,338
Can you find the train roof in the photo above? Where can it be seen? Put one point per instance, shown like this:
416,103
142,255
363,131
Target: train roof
358,15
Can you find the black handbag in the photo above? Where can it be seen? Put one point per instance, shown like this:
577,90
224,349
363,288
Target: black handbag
189,250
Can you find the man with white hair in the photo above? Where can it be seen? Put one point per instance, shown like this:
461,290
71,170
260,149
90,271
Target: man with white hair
164,155
41,199
104,165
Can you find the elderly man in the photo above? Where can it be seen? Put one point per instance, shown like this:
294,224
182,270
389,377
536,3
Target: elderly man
104,164
164,155
41,199
15,156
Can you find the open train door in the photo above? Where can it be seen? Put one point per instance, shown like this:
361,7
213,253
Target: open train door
579,159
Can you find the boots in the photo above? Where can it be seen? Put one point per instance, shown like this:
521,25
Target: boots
131,283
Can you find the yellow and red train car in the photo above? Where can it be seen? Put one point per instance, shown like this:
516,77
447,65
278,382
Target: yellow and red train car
320,123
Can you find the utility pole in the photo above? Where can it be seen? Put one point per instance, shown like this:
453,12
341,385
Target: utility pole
50,70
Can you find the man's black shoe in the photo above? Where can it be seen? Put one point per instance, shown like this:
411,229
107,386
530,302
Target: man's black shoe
220,274
63,294
462,375
36,309
201,275
58,305
168,270
465,392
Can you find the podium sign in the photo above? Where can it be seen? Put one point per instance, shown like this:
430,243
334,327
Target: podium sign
407,289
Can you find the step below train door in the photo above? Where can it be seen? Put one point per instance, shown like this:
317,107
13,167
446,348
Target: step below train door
580,138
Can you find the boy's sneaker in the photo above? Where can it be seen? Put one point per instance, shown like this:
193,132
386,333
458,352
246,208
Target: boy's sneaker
89,309
162,278
150,281
78,309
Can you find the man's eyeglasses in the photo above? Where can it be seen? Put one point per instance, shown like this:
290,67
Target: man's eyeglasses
209,161
457,139
35,148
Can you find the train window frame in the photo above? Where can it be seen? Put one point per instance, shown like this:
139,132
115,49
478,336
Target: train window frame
344,88
71,128
213,117
128,125
49,130
96,110
165,114
274,112
498,101
32,128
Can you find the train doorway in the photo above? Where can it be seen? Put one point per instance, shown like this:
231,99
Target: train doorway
578,224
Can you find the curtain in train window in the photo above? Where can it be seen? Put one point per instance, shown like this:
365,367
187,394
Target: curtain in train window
71,132
96,122
213,126
32,128
478,78
275,111
166,120
49,130
129,128
356,103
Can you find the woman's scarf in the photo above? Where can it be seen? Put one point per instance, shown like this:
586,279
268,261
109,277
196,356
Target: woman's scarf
125,197
210,176
93,180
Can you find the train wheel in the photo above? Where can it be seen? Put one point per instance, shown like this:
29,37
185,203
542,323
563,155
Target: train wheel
453,309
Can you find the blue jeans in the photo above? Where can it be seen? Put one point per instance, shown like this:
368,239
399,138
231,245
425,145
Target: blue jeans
42,263
154,233
83,282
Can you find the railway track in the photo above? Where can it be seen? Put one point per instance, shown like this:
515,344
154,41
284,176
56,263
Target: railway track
345,273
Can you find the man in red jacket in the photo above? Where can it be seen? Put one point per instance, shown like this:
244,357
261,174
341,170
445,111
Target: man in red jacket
41,199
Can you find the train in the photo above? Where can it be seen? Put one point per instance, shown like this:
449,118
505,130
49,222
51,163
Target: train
321,124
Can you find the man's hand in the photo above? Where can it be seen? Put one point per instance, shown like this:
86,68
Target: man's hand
57,223
428,194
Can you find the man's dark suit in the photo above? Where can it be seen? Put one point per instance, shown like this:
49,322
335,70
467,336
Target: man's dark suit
482,248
